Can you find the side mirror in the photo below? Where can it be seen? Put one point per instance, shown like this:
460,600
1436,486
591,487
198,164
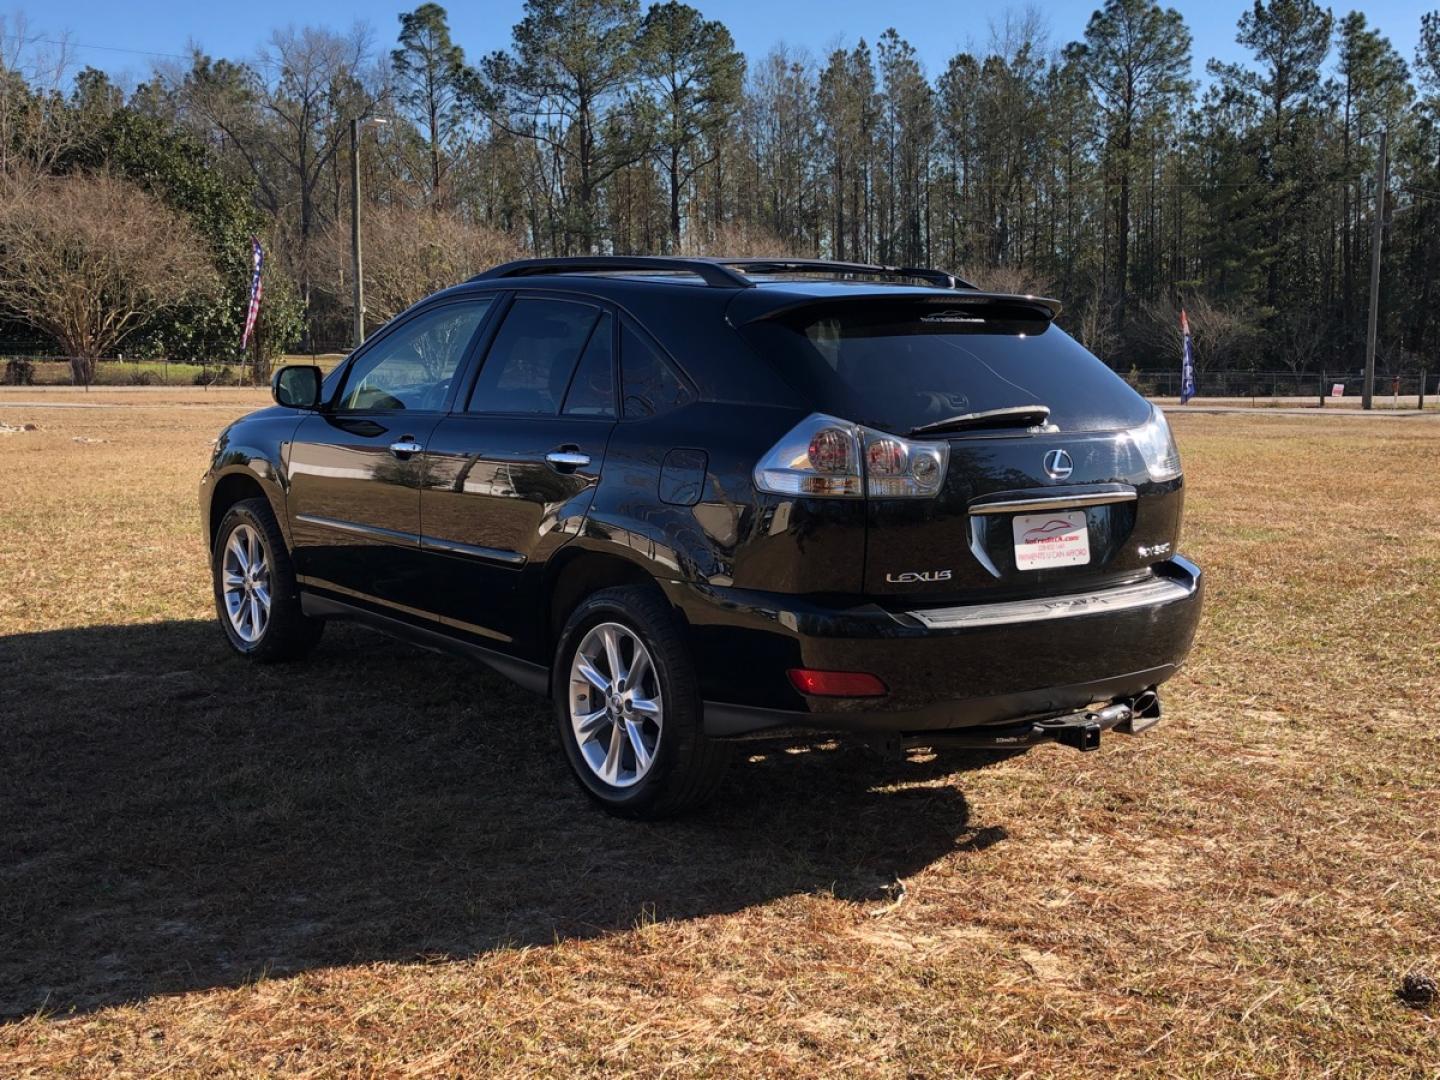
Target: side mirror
297,386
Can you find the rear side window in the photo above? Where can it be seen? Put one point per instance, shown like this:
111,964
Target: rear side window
533,356
592,389
898,365
650,384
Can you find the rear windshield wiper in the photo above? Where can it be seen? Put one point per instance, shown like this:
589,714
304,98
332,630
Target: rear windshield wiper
1014,416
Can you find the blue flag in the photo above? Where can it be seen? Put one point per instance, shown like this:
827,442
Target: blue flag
1187,362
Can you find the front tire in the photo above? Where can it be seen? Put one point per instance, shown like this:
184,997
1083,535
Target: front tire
256,595
627,708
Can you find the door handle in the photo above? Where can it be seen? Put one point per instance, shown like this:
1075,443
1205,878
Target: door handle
567,460
405,447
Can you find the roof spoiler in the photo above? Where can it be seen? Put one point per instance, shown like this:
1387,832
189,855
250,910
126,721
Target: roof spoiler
962,306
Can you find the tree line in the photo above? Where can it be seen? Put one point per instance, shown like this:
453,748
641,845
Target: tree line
1112,172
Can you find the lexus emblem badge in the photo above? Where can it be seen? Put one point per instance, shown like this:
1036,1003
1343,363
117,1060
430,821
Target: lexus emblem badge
1058,465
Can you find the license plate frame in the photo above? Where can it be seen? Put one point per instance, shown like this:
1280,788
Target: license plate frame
1054,539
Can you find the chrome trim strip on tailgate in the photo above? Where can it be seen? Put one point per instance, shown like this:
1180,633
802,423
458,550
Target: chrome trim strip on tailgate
1120,598
1052,502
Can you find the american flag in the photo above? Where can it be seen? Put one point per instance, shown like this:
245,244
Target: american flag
1187,362
257,289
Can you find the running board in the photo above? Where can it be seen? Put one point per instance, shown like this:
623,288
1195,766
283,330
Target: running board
530,676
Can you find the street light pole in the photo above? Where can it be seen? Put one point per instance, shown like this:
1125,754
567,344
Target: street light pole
1382,180
356,267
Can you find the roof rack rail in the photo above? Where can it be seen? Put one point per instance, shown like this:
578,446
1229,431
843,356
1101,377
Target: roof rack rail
716,273
713,273
819,266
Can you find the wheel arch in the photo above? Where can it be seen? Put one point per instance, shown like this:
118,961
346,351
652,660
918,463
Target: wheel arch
235,485
576,572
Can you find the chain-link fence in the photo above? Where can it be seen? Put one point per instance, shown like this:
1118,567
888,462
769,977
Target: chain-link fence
1280,385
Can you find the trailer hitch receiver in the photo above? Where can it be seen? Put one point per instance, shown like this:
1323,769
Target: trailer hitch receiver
1082,736
1079,730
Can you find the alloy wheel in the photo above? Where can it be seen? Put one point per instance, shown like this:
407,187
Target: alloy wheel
616,711
245,584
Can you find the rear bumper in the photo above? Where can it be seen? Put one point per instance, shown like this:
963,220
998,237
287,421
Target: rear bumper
944,668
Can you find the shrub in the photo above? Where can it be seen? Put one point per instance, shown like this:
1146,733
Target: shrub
142,378
19,372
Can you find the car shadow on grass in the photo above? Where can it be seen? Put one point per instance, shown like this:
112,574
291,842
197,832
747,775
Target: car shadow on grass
178,819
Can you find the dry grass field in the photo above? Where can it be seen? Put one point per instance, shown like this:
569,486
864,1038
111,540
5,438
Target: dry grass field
375,864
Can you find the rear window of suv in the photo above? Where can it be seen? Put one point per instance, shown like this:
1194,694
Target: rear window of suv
898,365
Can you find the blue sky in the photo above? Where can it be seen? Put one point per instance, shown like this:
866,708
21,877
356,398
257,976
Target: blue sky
936,29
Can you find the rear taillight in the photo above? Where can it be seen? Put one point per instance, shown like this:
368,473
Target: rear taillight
1157,447
832,453
832,458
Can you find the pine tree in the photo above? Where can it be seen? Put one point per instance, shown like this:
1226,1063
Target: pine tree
434,84
568,86
697,75
1136,56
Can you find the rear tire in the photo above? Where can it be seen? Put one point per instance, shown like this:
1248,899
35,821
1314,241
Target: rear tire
256,595
635,743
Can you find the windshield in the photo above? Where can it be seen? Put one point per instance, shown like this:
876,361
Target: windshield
899,366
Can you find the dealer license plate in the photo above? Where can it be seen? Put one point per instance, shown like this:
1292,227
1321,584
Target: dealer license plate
1056,539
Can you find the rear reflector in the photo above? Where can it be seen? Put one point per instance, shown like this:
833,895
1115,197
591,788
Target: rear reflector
836,683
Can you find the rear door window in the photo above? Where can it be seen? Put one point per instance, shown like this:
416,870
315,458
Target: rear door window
533,356
898,365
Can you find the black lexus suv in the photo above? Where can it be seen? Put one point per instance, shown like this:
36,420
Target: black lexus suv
696,501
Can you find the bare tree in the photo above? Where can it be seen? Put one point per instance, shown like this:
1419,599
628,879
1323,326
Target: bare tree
35,127
1093,329
1303,335
746,239
89,259
1007,278
417,252
411,253
1218,336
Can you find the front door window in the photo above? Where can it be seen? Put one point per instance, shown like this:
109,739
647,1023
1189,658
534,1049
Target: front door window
411,368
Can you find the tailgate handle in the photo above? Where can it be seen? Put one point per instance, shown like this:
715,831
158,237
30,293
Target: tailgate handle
1023,502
